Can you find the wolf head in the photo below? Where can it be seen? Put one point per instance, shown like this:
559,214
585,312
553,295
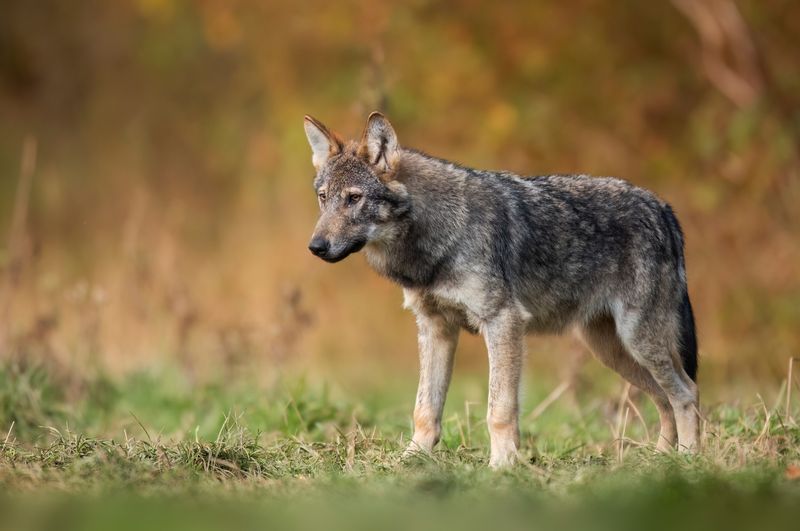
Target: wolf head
360,200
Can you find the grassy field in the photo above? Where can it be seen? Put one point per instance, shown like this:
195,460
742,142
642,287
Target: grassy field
156,449
188,364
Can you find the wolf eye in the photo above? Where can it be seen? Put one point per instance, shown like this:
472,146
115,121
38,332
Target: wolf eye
352,199
321,196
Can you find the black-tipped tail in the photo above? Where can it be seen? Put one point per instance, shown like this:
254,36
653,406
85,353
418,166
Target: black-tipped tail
688,346
688,336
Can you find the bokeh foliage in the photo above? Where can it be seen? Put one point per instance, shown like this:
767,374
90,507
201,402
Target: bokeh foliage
170,198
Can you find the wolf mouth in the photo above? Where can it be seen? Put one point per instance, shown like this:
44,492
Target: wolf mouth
353,248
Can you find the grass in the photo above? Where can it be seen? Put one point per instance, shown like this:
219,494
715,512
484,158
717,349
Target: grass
154,449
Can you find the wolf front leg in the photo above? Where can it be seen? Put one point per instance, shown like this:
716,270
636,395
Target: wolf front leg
504,337
437,346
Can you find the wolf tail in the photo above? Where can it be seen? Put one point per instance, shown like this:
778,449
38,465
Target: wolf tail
688,336
688,339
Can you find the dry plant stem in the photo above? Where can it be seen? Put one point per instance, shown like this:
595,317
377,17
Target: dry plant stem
457,420
554,395
622,434
469,422
622,418
8,435
626,389
732,60
767,418
789,382
722,31
640,417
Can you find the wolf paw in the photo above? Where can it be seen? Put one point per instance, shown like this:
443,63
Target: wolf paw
504,461
415,450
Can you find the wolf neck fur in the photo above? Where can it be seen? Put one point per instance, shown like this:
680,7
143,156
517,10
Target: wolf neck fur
413,252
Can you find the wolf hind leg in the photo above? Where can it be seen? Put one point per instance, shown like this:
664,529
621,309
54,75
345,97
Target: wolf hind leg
652,339
600,336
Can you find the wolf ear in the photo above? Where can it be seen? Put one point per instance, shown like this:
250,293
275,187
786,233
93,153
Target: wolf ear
324,144
379,146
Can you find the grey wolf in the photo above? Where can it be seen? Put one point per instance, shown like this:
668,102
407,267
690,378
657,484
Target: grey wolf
503,255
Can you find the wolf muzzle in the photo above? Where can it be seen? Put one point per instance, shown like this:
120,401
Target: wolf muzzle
322,248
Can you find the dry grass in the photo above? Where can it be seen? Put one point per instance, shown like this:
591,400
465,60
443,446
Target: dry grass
295,452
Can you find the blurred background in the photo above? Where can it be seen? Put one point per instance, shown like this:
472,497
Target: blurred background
155,181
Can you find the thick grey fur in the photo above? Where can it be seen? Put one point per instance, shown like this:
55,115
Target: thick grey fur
504,255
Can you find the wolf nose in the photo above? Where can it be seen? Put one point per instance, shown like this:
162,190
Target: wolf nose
318,246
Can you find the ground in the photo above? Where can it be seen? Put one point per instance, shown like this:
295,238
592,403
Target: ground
155,449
